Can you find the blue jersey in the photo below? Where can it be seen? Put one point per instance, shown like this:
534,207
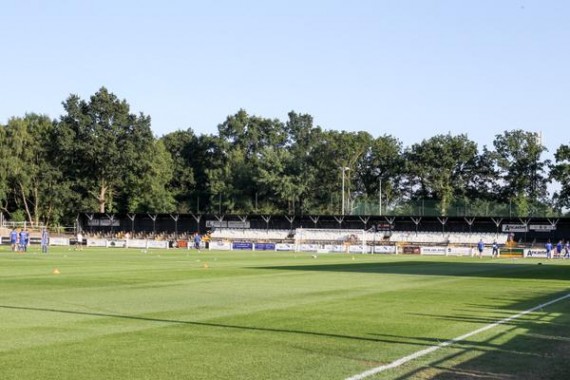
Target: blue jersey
548,247
13,237
45,238
480,246
24,237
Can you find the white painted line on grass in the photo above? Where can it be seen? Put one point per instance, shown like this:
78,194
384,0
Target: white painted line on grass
431,349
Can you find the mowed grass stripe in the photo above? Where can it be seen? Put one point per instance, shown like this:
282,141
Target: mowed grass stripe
248,315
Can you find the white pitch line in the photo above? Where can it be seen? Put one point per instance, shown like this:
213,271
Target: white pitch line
431,349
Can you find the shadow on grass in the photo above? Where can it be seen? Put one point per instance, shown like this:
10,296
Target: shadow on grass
540,348
540,353
195,323
497,269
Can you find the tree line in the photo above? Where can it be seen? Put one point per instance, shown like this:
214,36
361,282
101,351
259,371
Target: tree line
98,156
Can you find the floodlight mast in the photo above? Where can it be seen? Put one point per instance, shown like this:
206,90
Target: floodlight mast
343,169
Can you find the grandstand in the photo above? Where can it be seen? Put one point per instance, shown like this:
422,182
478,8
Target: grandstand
354,236
342,233
454,230
458,238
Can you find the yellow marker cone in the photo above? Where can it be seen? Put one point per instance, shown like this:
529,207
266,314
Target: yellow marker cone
55,271
205,265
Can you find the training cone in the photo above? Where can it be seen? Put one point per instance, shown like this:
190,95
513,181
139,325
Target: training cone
55,271
205,265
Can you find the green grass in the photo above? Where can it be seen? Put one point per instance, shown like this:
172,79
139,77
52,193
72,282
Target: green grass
126,314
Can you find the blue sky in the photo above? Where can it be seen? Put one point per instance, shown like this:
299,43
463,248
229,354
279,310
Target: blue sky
411,69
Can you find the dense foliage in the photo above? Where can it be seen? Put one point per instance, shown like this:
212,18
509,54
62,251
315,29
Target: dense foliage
100,157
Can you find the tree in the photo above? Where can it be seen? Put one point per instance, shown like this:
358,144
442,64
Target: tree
146,187
522,174
182,147
381,165
35,182
4,159
101,144
441,168
303,138
560,172
333,152
242,140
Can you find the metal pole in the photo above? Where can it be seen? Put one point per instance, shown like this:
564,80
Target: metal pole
343,190
380,196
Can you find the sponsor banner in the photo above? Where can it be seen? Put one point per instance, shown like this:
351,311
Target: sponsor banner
221,245
58,241
542,227
103,222
227,224
511,255
358,249
242,245
95,242
162,244
539,253
308,247
514,228
441,251
136,243
238,224
284,247
384,227
384,249
264,246
117,243
182,244
411,250
505,251
462,251
336,248
5,240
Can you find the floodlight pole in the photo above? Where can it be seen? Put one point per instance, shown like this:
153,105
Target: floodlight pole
343,169
380,196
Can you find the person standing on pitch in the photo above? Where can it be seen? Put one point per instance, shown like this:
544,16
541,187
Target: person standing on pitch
197,240
495,249
480,247
567,249
79,242
44,240
24,239
14,240
559,249
548,247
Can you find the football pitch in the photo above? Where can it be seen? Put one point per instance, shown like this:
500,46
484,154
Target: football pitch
177,314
